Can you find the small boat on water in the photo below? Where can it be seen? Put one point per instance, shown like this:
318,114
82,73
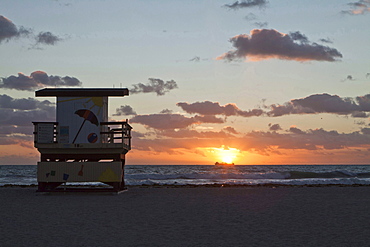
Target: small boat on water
223,164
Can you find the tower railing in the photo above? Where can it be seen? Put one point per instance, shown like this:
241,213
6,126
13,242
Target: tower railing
116,132
45,132
111,134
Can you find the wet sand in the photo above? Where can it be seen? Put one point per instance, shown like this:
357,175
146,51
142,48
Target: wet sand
283,216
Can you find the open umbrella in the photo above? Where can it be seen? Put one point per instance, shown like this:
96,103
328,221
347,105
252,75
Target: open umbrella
87,115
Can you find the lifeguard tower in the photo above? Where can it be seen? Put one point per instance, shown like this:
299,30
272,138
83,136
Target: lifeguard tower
82,146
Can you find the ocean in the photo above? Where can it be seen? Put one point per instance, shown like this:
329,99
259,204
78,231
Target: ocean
211,175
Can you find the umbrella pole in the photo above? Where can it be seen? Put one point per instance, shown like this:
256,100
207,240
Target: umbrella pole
79,130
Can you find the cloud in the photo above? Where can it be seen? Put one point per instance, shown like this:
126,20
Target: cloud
274,127
47,38
208,119
214,108
316,141
246,4
323,103
349,78
166,111
365,131
17,116
29,159
125,110
295,130
298,36
363,102
230,130
261,24
327,40
312,139
37,79
173,133
359,114
358,8
25,118
7,102
268,44
250,17
172,121
186,133
195,59
8,30
157,86
367,75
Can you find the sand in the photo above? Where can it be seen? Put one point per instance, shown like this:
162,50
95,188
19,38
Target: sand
283,216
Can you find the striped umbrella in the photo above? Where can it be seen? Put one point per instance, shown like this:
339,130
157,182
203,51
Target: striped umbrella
87,115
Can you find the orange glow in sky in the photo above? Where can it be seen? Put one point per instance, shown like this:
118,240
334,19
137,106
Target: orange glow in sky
225,154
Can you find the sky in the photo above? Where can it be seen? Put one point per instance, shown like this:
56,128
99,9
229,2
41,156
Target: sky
249,82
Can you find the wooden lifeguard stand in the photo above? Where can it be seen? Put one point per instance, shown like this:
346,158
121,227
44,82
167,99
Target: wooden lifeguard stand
82,146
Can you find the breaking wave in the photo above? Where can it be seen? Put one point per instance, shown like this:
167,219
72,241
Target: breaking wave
136,175
252,178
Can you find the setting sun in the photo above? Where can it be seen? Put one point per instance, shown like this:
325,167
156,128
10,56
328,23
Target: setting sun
226,154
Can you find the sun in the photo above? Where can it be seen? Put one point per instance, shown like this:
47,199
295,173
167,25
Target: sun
227,159
226,154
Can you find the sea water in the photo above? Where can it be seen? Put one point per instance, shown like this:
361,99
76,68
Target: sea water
210,175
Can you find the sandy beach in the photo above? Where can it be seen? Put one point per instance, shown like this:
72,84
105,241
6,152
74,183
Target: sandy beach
240,216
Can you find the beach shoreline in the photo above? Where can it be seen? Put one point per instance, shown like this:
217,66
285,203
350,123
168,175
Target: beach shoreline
264,185
188,216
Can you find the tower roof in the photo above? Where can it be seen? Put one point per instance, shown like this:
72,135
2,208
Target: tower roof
82,92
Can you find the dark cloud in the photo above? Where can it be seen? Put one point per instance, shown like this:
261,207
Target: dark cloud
274,127
186,133
358,107
363,102
25,118
17,116
295,130
317,139
360,122
47,38
367,75
7,102
166,111
195,59
246,4
269,43
250,17
358,8
21,159
125,110
349,78
323,103
208,119
37,79
230,130
365,131
214,108
264,143
298,36
8,30
359,114
172,121
326,41
261,24
157,86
